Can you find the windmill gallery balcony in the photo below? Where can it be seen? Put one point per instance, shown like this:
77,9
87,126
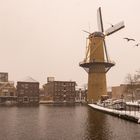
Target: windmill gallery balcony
98,65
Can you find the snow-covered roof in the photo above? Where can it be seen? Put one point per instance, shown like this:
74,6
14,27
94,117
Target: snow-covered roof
28,79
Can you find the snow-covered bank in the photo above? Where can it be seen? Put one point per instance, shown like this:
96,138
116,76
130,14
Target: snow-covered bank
128,115
46,102
135,103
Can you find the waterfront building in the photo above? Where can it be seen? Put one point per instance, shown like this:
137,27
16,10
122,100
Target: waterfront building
28,91
60,91
124,91
42,96
47,96
7,92
118,91
7,89
81,95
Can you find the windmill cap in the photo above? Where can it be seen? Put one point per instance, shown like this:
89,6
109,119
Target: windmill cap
97,34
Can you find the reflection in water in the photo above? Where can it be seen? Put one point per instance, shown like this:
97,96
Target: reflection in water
48,122
95,128
105,127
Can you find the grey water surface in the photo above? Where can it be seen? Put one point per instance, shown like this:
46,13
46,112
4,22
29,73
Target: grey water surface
63,122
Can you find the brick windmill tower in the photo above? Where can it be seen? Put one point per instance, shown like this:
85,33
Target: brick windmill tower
97,62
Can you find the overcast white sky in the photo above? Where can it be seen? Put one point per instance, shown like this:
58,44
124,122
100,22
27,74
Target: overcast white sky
41,38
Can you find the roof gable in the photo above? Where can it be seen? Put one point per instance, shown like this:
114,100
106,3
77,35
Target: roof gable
28,79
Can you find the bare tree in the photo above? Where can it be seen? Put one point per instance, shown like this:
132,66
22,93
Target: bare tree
133,82
85,86
137,76
130,88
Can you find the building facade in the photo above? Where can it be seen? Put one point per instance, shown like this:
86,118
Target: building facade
81,95
118,91
7,89
60,91
28,91
3,77
128,94
7,92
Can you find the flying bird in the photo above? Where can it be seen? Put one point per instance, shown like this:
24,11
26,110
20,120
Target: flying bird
137,44
111,24
129,39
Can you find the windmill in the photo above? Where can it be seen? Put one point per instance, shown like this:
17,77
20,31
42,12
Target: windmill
97,62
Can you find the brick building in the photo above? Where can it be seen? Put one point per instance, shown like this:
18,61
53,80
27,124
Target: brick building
60,91
28,91
122,91
118,91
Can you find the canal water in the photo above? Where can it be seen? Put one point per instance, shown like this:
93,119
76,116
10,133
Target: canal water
60,122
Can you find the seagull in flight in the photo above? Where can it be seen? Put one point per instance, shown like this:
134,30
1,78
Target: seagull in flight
111,24
129,39
137,44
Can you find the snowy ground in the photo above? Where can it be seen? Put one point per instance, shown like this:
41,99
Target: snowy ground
135,103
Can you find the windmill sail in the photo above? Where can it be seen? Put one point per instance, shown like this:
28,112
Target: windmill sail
114,28
101,29
106,53
99,20
87,51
